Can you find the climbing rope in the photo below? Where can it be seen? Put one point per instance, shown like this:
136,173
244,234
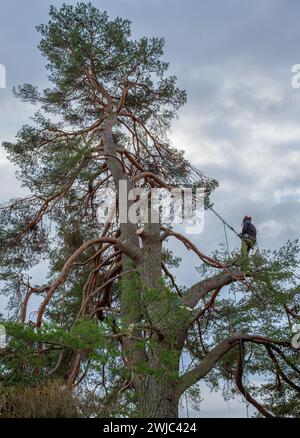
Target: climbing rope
185,394
243,376
237,317
242,358
192,177
223,220
196,177
225,224
226,240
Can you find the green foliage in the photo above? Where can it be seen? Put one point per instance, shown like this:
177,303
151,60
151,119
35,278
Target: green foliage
78,41
84,335
62,162
22,356
257,308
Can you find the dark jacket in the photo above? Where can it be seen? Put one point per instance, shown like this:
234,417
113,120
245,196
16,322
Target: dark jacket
249,228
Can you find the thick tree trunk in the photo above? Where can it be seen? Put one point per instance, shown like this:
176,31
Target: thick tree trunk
157,393
154,370
160,400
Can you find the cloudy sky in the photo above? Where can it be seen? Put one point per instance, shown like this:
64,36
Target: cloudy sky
240,124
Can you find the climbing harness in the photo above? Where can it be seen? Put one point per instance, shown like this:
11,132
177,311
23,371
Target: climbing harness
249,240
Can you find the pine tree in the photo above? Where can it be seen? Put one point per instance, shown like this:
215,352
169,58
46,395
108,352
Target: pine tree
110,312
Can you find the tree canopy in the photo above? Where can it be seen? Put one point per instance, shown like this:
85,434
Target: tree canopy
112,323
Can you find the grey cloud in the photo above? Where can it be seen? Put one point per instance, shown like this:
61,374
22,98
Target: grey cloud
241,122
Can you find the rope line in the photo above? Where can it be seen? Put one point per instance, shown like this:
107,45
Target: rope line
242,359
243,376
226,240
237,317
195,176
223,220
185,394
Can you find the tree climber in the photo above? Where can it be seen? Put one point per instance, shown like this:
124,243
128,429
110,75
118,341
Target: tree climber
248,236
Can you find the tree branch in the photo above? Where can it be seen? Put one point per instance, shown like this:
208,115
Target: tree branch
209,361
242,389
191,377
279,370
131,252
202,288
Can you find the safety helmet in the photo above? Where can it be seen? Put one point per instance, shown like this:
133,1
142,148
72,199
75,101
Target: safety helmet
247,218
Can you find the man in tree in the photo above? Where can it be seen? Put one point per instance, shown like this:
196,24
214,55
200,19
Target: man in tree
108,314
248,236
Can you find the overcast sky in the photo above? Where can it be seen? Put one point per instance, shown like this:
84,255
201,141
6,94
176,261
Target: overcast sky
240,124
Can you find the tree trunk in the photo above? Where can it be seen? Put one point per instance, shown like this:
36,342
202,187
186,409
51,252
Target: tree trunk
157,392
160,400
154,370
